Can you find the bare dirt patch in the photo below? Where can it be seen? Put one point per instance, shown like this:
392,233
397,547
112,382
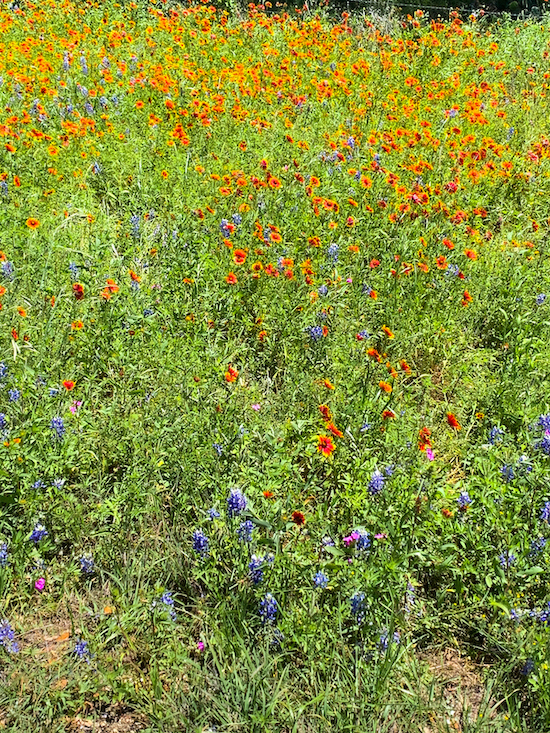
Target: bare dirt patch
460,690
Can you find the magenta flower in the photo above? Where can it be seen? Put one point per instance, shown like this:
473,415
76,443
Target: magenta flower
351,538
40,583
200,646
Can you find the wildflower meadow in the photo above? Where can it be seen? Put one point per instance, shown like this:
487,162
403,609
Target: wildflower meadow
274,370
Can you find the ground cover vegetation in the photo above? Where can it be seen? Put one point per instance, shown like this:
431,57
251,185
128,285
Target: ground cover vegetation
274,372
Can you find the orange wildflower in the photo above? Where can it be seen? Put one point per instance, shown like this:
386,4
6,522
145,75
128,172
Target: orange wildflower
78,290
385,386
298,518
231,279
32,223
22,312
328,384
325,445
388,333
239,256
231,374
453,422
325,412
69,384
331,427
424,439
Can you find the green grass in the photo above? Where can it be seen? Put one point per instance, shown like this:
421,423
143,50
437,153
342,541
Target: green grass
377,191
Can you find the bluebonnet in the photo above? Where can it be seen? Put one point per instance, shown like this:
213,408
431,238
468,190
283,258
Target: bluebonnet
544,444
58,483
389,470
134,221
167,601
507,473
53,391
87,565
105,63
377,158
514,615
4,187
351,142
507,560
58,426
320,580
200,543
38,484
545,513
73,269
322,316
410,598
39,533
357,176
277,638
268,609
218,448
464,500
225,230
527,668
3,423
14,395
544,615
365,426
81,650
103,101
358,606
363,542
82,90
328,542
3,555
453,113
385,640
7,637
256,569
495,434
236,502
83,65
332,253
237,219
213,514
244,531
452,270
376,483
537,546
544,421
89,109
510,133
366,289
315,332
7,270
364,335
96,168
148,312
541,297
